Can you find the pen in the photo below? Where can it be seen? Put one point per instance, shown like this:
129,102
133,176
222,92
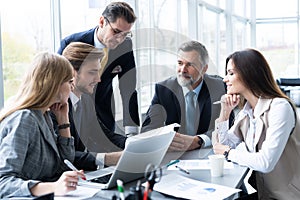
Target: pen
121,189
183,170
217,102
71,166
172,163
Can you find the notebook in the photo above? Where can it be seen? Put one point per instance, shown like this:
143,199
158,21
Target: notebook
140,150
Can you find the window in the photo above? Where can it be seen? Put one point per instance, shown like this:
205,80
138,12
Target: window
278,42
156,42
277,36
223,30
25,30
223,26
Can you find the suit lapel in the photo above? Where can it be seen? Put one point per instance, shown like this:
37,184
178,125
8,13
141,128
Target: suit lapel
78,142
203,97
243,121
88,37
47,133
262,106
180,105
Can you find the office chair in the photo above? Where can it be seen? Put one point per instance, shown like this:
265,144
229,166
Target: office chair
288,81
291,87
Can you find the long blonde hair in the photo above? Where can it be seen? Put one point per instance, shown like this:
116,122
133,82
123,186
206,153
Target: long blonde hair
41,83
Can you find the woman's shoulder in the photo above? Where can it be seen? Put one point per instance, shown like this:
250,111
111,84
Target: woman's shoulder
273,101
282,105
19,124
24,116
281,101
24,113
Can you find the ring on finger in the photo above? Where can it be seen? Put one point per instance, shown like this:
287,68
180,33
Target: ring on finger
72,184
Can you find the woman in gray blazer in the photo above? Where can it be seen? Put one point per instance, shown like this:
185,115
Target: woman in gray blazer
31,153
265,135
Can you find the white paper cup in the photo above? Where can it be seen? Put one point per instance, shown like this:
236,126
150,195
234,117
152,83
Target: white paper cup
216,165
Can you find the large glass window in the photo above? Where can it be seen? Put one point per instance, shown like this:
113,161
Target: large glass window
277,36
223,30
25,31
211,37
278,42
241,8
77,16
241,34
276,9
223,26
157,40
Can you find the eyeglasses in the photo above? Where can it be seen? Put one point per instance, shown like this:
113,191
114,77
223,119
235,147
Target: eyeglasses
118,33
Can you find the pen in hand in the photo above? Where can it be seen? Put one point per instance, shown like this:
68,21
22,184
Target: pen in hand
218,102
171,163
183,170
71,166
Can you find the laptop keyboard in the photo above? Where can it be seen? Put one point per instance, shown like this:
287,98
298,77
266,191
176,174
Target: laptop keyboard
103,179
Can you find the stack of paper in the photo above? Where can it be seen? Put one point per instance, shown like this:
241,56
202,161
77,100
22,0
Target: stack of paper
182,187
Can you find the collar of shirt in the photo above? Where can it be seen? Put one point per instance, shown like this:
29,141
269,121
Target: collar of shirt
196,90
252,113
97,43
250,137
247,110
74,100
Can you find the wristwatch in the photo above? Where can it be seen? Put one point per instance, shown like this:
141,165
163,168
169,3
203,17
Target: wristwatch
226,153
63,126
200,141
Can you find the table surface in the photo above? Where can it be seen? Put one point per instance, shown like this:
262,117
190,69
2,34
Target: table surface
231,178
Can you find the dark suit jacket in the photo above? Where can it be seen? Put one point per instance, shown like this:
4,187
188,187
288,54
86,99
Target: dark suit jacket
168,105
104,101
86,160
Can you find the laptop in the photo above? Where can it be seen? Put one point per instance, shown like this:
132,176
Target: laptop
140,150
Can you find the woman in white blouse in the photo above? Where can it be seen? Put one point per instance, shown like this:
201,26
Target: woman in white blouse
265,135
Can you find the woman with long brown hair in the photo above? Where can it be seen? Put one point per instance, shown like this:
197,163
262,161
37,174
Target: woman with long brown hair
265,135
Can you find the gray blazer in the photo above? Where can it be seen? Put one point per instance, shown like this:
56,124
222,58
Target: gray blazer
30,152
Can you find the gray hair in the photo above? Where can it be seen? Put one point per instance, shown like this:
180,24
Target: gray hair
197,46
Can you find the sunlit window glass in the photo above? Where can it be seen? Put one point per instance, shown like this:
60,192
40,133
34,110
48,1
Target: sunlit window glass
25,31
277,42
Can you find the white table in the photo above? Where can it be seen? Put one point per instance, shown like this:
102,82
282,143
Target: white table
231,178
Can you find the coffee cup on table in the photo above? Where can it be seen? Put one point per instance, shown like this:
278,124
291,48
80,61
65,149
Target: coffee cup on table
216,165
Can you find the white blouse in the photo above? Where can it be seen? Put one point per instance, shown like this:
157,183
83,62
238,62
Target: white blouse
281,120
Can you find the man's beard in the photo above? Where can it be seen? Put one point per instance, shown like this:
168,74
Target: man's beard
185,80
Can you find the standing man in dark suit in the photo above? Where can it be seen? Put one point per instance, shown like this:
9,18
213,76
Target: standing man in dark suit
170,104
113,34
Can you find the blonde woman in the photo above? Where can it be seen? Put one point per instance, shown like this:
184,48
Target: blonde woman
31,153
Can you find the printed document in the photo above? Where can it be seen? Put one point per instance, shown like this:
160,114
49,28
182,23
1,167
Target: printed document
183,187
